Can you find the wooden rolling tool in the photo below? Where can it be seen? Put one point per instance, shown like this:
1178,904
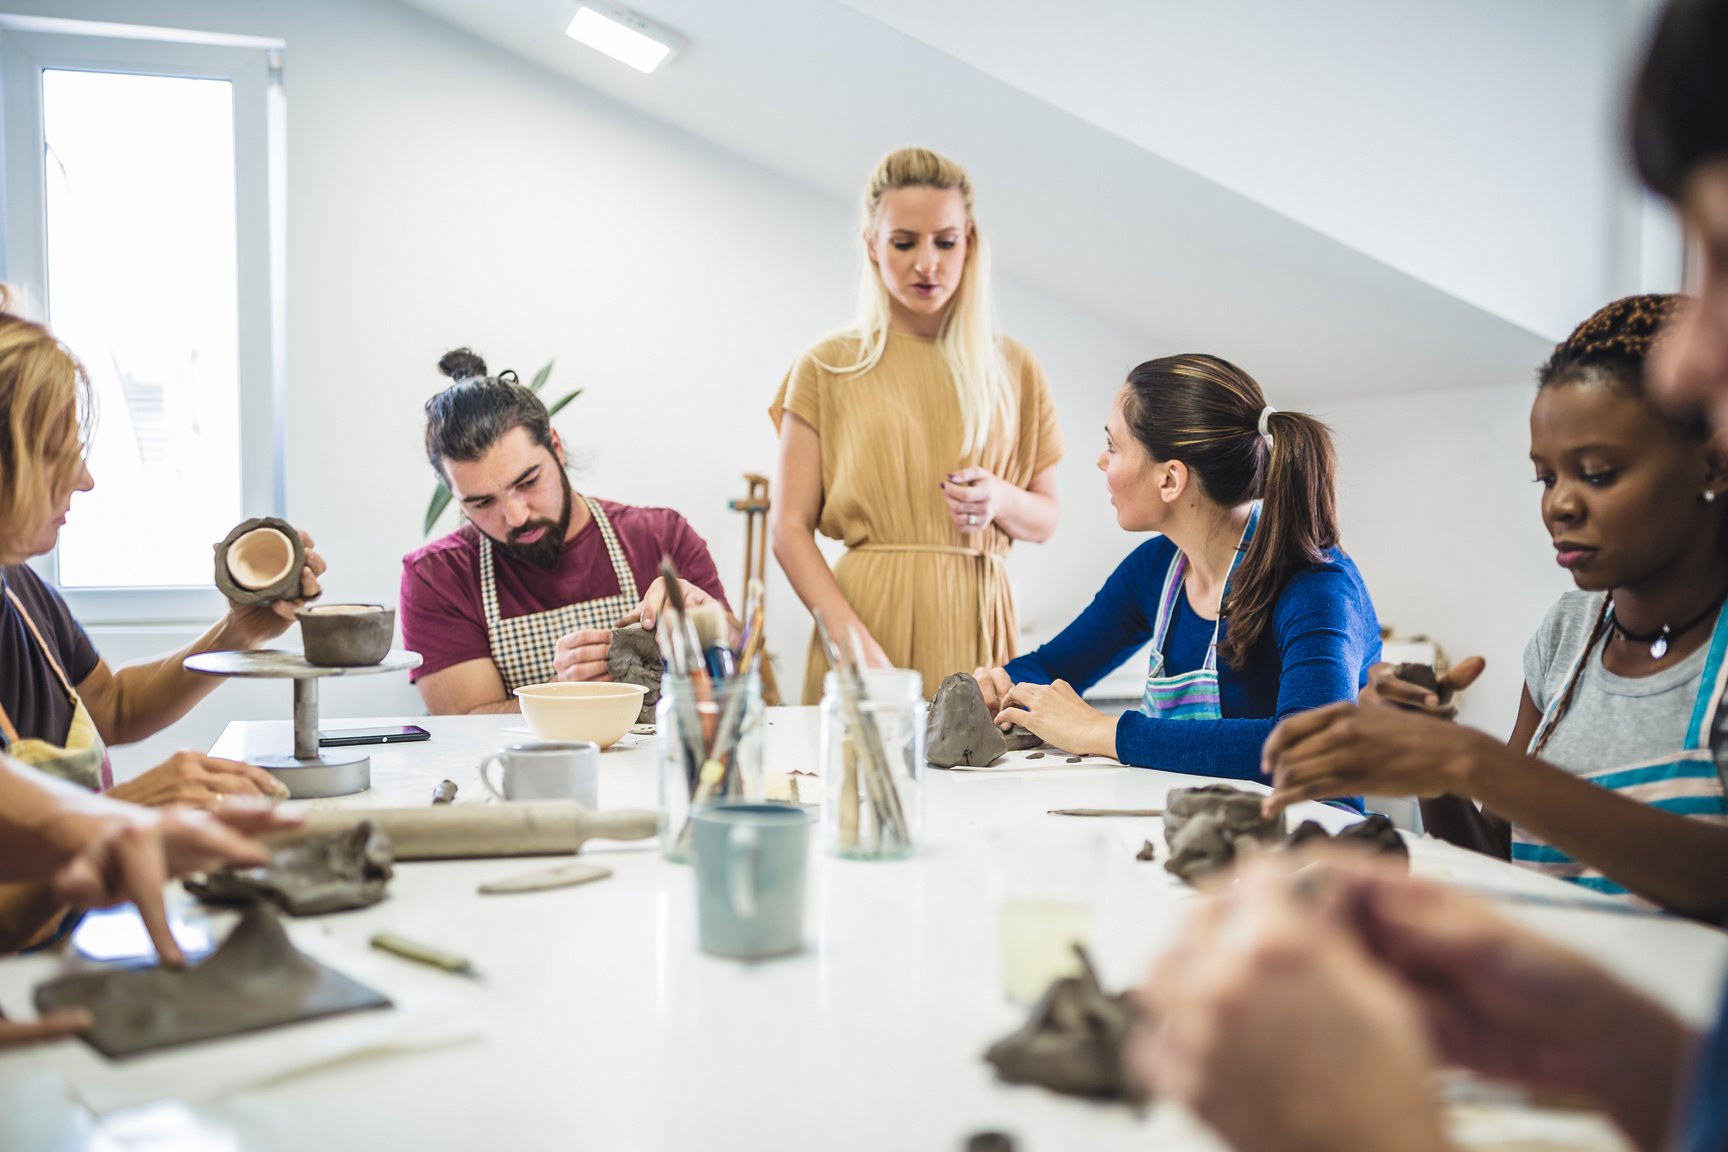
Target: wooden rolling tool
474,831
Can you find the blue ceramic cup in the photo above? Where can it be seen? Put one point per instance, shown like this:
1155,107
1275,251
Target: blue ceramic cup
750,865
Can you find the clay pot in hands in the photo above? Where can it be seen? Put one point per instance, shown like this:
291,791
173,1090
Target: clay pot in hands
260,561
346,635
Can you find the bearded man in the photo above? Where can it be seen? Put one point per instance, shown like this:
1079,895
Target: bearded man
531,586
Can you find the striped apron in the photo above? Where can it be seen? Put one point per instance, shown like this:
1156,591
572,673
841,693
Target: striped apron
523,646
83,758
1684,782
1188,695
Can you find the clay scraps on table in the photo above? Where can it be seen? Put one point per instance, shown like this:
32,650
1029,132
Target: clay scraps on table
634,658
1072,1042
1148,851
310,875
963,732
256,980
1208,827
1376,833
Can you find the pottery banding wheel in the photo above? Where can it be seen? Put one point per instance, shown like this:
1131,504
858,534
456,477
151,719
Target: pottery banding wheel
310,772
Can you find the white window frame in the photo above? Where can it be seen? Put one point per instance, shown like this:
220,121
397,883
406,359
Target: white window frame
253,67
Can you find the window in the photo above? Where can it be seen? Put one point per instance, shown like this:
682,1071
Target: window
143,203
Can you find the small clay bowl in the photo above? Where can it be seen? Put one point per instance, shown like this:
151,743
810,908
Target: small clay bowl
259,562
600,711
346,635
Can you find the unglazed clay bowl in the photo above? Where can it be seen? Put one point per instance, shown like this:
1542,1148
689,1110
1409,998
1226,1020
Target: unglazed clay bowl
259,562
346,635
600,711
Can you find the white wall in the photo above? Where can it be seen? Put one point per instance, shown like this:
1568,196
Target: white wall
441,192
1434,137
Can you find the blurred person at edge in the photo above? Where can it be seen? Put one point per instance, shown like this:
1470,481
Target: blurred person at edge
1310,1013
61,705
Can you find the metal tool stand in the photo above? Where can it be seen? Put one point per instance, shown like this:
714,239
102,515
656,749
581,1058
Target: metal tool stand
310,773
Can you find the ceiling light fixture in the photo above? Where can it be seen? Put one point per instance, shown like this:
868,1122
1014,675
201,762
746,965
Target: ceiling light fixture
624,35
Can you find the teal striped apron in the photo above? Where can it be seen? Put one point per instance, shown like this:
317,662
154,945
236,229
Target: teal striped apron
1188,695
1685,782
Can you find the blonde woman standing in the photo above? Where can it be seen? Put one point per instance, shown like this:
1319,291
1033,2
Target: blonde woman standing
920,437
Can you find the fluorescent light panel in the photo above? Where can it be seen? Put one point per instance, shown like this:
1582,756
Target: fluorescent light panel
624,36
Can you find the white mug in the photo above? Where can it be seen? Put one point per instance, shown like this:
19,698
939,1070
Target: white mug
546,770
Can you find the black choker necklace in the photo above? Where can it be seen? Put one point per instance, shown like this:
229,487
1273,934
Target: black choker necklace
1658,641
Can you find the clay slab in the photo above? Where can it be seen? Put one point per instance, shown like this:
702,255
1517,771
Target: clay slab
328,873
256,980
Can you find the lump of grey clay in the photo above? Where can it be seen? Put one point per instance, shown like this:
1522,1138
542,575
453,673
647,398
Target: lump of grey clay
1072,1042
1148,851
329,873
1376,833
634,658
1423,676
962,731
256,980
1207,828
1308,832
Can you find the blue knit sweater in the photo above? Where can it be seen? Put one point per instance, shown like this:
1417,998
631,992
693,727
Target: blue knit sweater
1321,641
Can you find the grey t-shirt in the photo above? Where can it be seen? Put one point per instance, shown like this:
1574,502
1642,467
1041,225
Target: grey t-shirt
1613,721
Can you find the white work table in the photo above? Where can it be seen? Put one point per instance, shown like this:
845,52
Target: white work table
604,1027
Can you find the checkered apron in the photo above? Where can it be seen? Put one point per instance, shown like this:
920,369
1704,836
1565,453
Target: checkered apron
522,646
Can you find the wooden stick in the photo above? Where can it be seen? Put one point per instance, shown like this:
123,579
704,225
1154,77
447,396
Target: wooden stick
1106,812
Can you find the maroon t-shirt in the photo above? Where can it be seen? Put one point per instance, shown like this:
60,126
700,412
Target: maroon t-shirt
444,620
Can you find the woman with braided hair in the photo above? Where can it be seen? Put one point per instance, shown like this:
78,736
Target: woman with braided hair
1608,780
1253,611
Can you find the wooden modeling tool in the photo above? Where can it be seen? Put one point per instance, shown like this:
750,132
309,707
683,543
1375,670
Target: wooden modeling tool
546,879
424,954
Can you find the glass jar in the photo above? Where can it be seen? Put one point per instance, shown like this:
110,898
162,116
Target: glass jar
871,779
693,723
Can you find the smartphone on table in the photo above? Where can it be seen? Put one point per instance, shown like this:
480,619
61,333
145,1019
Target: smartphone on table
389,734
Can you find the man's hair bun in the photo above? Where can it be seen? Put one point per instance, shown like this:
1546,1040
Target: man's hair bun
462,364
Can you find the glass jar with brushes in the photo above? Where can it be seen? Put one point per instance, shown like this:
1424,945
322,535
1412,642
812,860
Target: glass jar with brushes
710,716
711,741
872,761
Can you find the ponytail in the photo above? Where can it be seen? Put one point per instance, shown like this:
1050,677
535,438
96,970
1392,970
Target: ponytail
1298,526
1208,413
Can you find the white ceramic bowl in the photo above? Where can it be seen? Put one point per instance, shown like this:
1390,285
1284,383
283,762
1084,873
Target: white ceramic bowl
594,710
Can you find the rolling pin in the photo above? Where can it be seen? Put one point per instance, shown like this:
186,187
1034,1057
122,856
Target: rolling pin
474,831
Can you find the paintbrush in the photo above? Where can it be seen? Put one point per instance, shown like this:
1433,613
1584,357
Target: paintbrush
878,779
710,623
696,730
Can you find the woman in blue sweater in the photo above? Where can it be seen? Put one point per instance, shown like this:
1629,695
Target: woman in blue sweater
1253,611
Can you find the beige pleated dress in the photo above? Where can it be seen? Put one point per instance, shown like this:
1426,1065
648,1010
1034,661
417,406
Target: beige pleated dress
934,598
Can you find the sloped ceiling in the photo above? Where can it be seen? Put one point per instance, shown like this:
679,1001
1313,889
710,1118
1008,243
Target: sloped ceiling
816,91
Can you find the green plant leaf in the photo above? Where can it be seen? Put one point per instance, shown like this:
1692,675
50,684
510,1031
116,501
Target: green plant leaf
539,380
440,501
559,405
